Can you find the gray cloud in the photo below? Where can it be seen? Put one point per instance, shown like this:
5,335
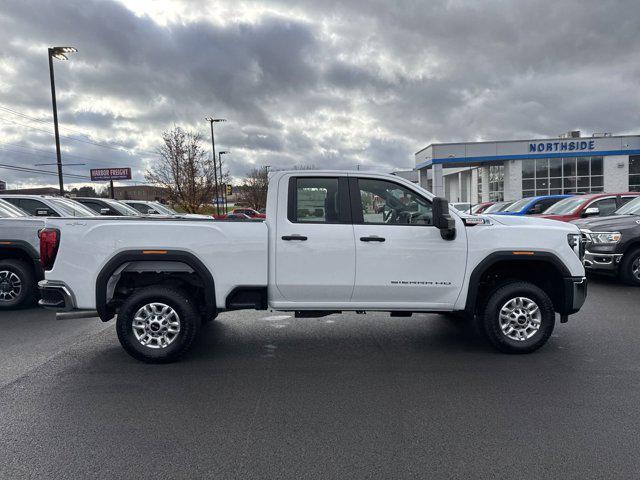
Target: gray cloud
334,83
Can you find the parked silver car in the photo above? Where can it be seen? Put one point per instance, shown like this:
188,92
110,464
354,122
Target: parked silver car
48,206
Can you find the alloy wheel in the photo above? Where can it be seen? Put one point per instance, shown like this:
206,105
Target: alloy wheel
10,286
156,325
520,318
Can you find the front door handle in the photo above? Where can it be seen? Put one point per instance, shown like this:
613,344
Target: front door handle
372,238
300,238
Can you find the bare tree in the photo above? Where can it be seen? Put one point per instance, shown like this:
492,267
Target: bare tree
254,190
184,169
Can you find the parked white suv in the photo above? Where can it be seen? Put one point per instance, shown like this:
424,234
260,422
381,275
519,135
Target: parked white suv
48,206
332,241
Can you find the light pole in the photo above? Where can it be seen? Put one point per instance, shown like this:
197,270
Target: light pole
224,186
59,53
211,121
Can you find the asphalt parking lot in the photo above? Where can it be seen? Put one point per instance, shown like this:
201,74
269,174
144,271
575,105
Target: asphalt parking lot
264,395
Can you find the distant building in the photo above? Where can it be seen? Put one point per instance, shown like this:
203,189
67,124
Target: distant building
35,191
411,175
513,169
141,192
3,186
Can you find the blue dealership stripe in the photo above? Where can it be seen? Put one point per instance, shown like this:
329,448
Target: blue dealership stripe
494,158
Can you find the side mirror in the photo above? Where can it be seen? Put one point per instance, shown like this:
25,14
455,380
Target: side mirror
591,211
104,211
42,212
151,211
442,220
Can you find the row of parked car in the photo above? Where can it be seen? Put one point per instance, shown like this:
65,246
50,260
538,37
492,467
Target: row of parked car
609,222
556,207
21,218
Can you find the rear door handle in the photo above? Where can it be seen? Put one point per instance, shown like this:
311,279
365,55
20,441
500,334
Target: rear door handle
372,238
301,238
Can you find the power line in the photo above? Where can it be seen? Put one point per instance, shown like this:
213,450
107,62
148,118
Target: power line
44,155
39,171
110,147
16,145
41,120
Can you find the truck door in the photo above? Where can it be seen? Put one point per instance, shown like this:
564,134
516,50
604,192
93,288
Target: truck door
315,248
401,258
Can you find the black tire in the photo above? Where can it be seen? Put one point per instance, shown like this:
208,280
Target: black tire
630,261
503,341
182,305
11,268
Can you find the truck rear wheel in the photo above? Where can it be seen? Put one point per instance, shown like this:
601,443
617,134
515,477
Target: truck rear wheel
16,284
157,324
518,318
630,268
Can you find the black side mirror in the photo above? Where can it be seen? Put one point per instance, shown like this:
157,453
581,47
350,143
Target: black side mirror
442,220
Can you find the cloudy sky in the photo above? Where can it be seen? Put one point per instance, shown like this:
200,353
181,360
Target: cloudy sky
327,83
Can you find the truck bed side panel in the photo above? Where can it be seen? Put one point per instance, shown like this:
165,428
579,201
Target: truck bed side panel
234,252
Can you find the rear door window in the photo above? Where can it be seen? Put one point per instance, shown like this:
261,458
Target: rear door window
317,200
33,206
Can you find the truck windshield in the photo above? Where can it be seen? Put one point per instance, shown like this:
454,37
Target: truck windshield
517,206
566,206
631,208
8,210
121,208
163,209
497,207
71,208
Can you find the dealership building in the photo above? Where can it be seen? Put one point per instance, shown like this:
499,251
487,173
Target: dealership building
513,169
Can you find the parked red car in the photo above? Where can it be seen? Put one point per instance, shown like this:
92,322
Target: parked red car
589,205
481,207
249,212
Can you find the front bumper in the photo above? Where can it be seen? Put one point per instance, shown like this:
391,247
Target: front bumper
575,294
56,296
602,262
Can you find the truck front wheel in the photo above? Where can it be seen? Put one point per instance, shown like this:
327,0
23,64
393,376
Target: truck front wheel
630,268
518,318
157,324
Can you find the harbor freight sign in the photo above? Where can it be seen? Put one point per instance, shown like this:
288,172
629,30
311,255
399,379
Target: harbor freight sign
103,174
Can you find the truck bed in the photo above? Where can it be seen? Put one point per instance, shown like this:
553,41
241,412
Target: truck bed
235,252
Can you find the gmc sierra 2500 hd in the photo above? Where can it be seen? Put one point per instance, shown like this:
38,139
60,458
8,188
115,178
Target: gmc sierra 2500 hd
331,242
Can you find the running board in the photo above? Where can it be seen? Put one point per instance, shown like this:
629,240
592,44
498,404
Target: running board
76,314
314,313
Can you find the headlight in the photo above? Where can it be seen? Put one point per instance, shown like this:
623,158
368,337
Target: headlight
605,237
576,243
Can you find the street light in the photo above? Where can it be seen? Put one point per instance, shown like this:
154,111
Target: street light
224,186
211,121
60,54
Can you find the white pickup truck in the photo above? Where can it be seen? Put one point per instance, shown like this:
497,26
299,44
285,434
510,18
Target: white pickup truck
332,241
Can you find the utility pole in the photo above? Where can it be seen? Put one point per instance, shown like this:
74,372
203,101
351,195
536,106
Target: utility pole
211,121
59,53
223,185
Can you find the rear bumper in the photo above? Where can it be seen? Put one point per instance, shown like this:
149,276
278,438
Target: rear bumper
602,262
575,294
56,296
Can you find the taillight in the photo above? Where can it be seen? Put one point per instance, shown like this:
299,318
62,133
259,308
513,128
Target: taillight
49,241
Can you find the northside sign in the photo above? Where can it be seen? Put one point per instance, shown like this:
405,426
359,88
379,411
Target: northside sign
102,174
562,146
